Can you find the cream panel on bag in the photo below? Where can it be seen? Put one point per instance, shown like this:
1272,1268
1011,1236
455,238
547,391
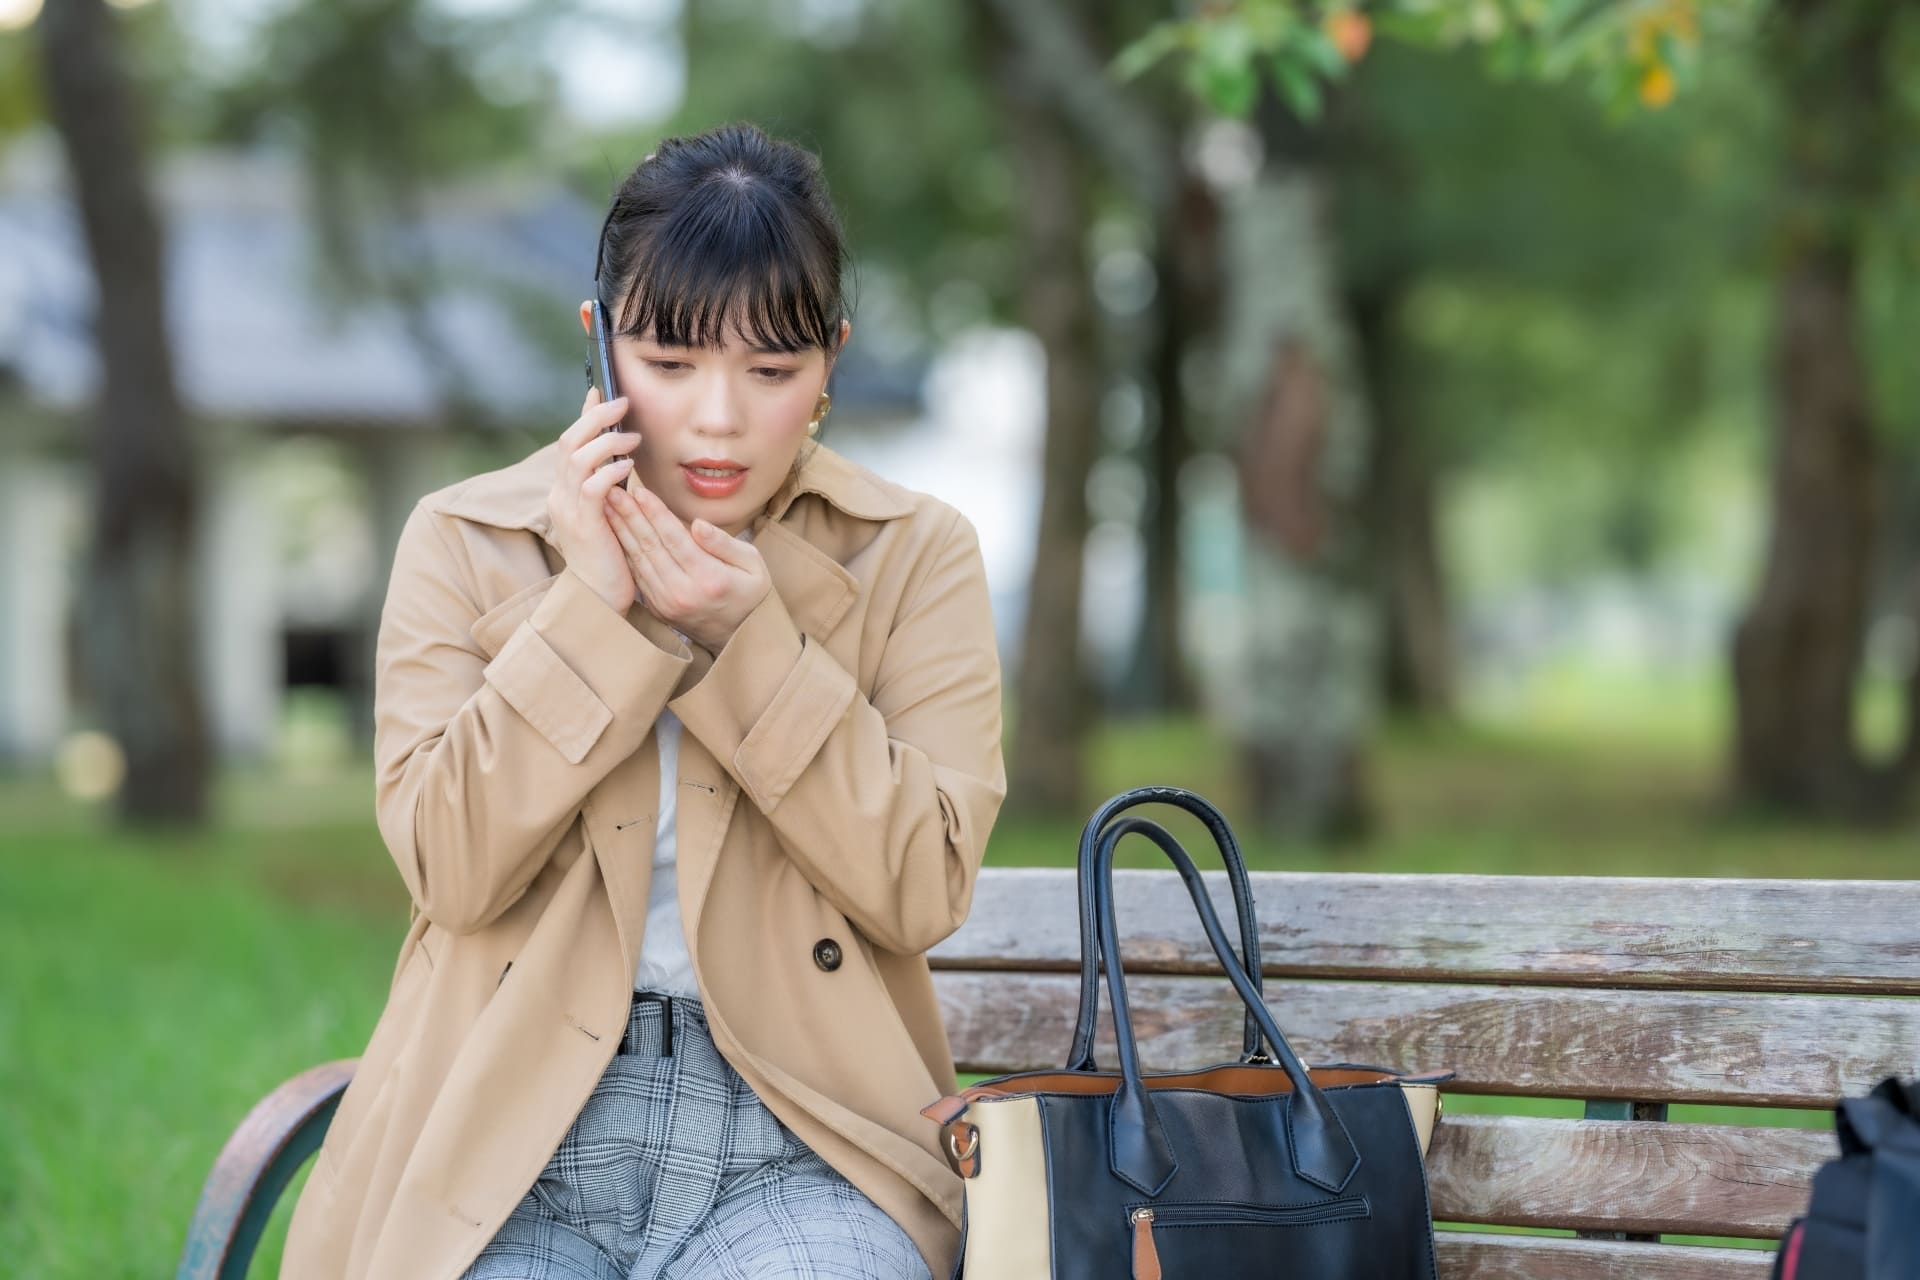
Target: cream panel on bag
1007,1209
1423,1104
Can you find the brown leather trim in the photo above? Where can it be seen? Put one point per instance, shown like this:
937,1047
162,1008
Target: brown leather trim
944,1111
1250,1081
1146,1258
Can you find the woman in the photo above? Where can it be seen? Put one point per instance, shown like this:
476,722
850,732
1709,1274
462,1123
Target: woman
688,745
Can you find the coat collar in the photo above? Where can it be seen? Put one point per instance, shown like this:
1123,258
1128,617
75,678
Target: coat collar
515,497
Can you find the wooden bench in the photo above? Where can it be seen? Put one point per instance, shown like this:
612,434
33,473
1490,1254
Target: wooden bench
1627,995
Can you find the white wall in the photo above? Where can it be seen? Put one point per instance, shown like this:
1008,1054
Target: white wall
40,531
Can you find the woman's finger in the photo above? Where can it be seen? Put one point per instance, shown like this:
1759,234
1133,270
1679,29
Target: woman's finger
646,537
594,488
627,510
593,420
674,539
602,447
722,545
646,570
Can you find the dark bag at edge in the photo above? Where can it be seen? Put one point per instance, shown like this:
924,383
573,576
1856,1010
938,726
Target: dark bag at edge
1864,1222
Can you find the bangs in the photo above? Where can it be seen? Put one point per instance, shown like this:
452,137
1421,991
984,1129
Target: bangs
730,268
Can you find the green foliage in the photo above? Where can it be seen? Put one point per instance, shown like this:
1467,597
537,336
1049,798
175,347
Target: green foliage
380,98
390,87
906,126
1629,51
1576,305
19,83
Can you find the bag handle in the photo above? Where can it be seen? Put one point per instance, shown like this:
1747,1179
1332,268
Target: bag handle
1322,1150
1080,1056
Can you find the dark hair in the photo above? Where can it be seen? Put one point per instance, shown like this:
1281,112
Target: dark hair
725,229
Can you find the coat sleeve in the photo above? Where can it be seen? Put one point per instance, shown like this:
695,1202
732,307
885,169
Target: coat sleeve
481,766
884,803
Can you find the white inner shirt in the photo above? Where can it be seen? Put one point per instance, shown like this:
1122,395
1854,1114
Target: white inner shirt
665,964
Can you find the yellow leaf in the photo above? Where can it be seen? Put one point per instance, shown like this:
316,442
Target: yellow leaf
1656,85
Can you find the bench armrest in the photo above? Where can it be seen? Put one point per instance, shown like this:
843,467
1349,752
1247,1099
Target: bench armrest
261,1157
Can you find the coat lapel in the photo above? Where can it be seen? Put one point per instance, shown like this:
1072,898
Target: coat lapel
817,591
622,814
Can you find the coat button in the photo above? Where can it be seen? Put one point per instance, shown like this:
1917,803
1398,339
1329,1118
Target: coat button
826,954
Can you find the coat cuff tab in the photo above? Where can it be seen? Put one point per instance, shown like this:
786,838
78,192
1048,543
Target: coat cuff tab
548,695
574,662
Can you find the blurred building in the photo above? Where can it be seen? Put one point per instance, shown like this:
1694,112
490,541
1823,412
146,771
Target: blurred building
323,408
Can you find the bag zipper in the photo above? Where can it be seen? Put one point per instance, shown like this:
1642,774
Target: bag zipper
1146,1258
1146,1255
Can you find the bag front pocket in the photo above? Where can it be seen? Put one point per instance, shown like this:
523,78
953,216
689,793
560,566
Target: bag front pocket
1155,1226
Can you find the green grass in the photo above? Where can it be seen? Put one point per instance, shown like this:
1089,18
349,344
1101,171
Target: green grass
155,987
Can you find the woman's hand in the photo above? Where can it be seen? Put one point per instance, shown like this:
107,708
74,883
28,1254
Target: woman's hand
701,581
577,503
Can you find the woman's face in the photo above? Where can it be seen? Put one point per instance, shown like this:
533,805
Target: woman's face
719,427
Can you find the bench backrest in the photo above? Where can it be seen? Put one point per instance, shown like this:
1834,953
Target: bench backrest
1626,995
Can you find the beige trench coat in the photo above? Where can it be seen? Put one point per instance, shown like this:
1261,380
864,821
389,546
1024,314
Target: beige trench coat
839,773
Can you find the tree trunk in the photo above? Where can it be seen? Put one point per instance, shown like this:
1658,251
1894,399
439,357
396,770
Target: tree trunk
1417,675
1797,652
1313,620
139,602
1054,698
1187,265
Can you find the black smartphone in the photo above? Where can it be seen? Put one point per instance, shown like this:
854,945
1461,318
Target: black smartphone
600,363
600,355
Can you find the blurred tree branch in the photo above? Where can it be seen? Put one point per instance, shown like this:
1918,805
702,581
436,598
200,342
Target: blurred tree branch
1062,65
383,98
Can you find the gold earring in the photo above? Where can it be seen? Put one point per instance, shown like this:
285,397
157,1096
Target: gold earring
820,411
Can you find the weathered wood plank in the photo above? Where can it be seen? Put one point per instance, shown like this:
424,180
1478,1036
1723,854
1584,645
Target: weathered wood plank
1770,935
1698,1179
1667,1046
1473,1256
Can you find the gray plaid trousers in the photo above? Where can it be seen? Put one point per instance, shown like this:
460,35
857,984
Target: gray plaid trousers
674,1169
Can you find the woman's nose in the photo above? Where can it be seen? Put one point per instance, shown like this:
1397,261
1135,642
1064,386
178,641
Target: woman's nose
717,411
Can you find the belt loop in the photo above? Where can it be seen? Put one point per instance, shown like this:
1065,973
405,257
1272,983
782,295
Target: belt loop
666,1003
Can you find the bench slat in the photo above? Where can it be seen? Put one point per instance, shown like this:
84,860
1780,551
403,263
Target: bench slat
1698,1179
1467,1255
1760,935
1665,1046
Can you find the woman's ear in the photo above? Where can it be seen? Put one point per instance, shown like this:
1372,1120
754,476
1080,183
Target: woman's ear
846,331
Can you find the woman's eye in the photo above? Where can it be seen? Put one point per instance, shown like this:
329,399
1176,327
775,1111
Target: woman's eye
770,373
668,366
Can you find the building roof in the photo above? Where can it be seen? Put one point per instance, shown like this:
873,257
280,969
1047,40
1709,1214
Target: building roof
260,334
